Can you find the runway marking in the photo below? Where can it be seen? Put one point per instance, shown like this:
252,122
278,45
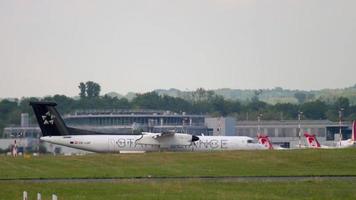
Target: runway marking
184,178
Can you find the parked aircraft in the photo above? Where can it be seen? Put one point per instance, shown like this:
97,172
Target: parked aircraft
55,131
314,143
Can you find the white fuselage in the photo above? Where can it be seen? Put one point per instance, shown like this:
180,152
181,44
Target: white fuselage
117,143
345,144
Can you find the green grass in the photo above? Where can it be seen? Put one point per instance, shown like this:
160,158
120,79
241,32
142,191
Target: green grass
183,190
234,163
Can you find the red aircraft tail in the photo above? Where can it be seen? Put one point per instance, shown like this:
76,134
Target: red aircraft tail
264,140
312,141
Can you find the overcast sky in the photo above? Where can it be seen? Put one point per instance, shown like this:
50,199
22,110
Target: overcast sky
47,47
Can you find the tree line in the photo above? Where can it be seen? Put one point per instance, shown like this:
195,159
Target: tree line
199,102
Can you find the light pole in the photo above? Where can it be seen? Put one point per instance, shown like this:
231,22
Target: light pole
259,116
299,128
340,124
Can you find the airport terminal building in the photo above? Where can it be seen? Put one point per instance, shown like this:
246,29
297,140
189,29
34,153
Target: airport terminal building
131,121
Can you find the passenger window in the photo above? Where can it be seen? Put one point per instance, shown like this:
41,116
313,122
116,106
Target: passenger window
249,141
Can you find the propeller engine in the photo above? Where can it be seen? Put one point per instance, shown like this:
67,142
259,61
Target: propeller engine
195,138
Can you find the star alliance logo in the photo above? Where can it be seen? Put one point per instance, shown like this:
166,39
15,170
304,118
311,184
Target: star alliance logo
48,118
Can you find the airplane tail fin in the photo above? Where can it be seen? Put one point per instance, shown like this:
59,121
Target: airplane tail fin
312,141
264,140
353,136
48,119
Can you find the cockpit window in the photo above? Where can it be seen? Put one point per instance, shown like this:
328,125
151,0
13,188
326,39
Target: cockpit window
249,141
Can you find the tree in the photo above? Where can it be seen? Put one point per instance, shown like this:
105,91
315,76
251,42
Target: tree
256,96
82,89
149,100
342,102
8,113
256,104
7,106
219,105
201,94
96,90
300,96
315,110
285,110
92,89
233,106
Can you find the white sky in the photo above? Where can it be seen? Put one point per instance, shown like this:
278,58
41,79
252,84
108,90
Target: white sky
47,47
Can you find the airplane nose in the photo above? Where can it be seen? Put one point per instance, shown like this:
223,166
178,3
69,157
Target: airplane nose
195,138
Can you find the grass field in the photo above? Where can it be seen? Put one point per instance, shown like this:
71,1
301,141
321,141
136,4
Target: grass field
184,190
235,163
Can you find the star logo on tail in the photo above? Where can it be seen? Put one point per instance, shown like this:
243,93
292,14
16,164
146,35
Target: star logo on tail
48,118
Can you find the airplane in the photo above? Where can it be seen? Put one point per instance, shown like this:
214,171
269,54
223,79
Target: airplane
264,140
55,131
314,143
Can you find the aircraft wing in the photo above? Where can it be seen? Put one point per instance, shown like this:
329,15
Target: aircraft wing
158,135
166,138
